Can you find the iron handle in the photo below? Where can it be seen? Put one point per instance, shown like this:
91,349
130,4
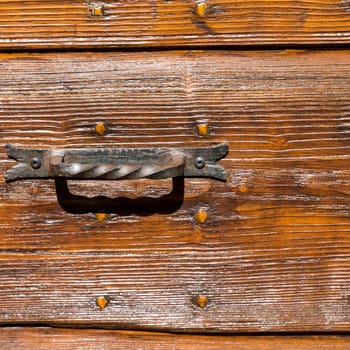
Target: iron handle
117,163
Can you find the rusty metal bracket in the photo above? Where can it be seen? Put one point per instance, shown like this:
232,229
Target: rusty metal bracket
117,163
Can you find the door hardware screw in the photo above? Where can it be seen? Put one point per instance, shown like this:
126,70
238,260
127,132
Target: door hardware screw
101,129
199,163
201,9
202,215
201,301
202,128
96,9
35,163
101,216
102,301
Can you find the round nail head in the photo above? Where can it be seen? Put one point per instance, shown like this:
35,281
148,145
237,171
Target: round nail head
101,216
202,301
202,129
243,188
101,129
34,190
202,215
201,9
35,163
199,163
102,301
97,9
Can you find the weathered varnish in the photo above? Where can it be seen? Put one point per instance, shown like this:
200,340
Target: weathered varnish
119,24
273,251
46,338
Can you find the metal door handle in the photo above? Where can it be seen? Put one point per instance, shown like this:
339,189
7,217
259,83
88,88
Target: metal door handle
116,163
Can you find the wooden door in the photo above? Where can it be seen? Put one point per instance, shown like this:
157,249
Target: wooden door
260,261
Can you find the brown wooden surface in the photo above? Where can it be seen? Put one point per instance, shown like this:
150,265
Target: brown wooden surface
78,339
54,24
273,254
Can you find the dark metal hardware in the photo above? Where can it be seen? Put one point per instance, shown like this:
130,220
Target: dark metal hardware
117,163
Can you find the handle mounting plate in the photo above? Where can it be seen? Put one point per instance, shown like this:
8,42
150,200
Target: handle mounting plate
116,163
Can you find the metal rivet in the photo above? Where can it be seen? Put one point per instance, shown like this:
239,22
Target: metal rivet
102,301
201,301
243,188
199,163
201,9
34,190
96,9
201,215
101,129
101,216
202,128
35,163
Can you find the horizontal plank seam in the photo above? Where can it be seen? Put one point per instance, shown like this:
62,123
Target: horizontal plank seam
144,330
211,47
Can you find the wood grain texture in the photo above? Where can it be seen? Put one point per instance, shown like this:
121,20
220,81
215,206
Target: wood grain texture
274,251
67,339
55,24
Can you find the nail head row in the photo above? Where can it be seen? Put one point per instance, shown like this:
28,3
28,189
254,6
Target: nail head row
201,128
97,9
201,216
201,301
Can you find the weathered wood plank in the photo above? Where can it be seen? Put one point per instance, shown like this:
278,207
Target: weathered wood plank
50,338
55,24
274,252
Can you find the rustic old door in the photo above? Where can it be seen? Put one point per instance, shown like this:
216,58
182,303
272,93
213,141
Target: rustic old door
260,260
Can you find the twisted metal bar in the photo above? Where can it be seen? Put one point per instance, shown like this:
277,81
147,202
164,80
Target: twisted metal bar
171,164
